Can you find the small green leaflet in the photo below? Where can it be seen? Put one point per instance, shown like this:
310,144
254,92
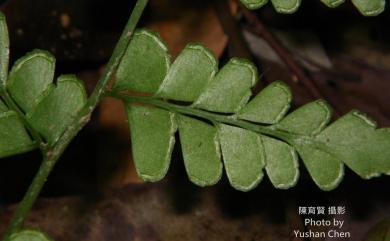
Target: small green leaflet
283,6
201,151
136,69
30,77
235,79
282,163
58,107
13,136
29,235
269,106
254,4
355,139
370,8
48,107
153,129
365,7
332,3
250,137
176,85
243,156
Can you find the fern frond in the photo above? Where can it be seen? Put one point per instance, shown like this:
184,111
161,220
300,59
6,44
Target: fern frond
29,234
366,8
45,106
222,122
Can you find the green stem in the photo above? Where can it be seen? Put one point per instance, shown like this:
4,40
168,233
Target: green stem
53,152
293,139
215,118
31,195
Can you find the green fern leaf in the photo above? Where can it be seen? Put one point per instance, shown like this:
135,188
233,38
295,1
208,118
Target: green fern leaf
370,8
235,80
58,107
251,136
282,163
365,7
254,4
29,235
48,107
153,134
195,62
286,6
136,69
13,136
201,151
355,140
309,120
269,106
332,3
243,156
30,77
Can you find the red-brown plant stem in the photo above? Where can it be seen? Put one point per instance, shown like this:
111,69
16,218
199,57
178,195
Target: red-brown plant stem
262,31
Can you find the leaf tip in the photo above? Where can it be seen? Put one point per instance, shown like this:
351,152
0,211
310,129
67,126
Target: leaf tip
287,9
364,117
254,4
208,52
249,65
370,8
29,234
154,35
250,186
335,183
332,3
